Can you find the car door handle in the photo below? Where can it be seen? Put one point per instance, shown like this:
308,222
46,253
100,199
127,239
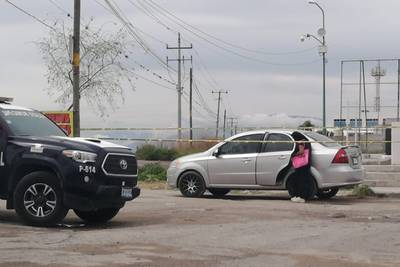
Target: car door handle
245,160
282,157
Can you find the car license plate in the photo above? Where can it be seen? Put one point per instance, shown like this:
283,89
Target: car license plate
126,192
355,161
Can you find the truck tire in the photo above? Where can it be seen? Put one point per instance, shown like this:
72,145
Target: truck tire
38,199
191,184
97,216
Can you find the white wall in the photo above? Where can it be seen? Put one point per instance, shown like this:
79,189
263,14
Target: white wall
396,143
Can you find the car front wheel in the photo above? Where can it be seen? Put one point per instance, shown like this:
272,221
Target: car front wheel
38,199
97,216
191,184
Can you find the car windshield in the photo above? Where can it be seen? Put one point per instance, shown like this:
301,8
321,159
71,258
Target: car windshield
322,139
30,123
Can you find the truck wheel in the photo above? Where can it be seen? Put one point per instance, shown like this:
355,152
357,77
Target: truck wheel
191,184
219,192
97,216
327,193
38,199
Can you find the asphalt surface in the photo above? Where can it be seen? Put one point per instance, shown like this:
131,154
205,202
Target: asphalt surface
161,228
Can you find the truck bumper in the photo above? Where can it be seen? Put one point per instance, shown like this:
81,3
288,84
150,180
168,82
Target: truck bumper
106,197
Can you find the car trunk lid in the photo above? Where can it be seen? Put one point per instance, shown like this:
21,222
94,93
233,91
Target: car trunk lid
354,156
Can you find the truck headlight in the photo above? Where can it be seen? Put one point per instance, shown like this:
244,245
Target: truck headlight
80,156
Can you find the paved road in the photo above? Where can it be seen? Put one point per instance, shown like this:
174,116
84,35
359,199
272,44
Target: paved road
163,229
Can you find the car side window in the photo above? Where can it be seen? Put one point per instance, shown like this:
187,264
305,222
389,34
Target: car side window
284,143
244,147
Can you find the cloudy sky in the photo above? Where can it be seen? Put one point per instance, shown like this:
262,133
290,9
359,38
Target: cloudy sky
285,78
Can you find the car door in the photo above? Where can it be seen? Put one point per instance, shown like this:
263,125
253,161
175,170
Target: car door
235,162
274,156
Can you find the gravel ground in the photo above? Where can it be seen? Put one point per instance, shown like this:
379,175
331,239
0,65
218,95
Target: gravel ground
161,228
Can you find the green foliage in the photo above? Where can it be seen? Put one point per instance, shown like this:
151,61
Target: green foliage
152,172
150,152
362,191
306,124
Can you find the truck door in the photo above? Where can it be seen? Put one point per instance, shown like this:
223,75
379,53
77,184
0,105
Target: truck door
3,178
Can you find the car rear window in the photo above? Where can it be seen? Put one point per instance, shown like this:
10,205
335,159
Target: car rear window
322,139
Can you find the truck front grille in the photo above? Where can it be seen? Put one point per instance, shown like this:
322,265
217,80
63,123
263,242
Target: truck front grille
120,165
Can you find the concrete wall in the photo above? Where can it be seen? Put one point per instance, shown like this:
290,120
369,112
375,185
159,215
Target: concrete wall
396,143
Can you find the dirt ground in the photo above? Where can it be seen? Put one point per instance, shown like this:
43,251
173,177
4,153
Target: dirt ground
161,228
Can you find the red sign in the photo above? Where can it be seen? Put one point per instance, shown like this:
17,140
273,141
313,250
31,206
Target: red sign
64,119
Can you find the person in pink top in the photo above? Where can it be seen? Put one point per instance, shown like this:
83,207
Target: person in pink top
301,162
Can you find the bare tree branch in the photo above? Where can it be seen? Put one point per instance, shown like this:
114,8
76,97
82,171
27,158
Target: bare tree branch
104,69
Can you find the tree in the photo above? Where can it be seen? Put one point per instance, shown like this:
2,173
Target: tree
307,125
103,71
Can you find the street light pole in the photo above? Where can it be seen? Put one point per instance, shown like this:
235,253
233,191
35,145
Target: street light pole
323,51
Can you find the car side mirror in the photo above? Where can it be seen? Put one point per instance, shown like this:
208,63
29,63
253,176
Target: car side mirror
216,153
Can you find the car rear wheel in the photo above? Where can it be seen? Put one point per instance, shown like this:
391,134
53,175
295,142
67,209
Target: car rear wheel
97,216
38,199
327,193
219,192
304,188
191,184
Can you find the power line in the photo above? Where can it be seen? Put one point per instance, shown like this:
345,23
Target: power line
151,15
30,15
117,12
201,98
151,81
228,50
60,7
228,43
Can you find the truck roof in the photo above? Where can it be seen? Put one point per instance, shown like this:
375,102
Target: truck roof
4,106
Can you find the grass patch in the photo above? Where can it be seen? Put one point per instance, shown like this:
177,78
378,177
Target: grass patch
362,191
152,172
151,152
158,185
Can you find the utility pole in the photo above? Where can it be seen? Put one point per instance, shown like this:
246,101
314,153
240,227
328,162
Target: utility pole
232,119
219,103
179,87
75,68
191,107
224,123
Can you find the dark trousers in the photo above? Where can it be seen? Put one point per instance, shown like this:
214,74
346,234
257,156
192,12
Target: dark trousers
302,181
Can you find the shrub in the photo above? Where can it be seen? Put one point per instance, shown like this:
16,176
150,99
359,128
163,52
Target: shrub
150,152
362,191
152,172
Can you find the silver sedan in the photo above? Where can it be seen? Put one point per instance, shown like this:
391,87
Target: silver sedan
260,160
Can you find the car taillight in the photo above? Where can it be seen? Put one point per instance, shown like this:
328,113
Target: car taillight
341,157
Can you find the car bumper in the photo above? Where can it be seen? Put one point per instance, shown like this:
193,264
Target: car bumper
342,176
105,197
172,176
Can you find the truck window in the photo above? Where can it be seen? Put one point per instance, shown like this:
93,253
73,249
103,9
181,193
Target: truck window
30,123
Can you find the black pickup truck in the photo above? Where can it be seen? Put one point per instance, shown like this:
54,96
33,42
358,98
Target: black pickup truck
44,173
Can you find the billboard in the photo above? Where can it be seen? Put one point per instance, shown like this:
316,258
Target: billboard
64,119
